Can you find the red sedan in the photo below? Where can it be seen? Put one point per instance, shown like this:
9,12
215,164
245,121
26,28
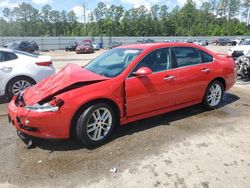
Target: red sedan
125,84
84,48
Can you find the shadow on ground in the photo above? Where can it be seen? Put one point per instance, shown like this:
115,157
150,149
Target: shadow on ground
131,128
4,100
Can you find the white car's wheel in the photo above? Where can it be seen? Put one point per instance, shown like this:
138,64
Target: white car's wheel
18,84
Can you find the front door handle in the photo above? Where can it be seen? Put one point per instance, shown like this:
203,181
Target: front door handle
206,70
168,78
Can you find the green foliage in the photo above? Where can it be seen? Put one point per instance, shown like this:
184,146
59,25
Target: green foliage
214,17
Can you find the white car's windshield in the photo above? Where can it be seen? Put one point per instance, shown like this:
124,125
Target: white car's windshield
246,42
113,62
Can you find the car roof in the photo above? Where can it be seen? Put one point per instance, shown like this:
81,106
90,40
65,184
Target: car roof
160,45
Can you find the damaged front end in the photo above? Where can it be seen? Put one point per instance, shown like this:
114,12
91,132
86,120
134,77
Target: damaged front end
42,96
243,66
52,103
35,112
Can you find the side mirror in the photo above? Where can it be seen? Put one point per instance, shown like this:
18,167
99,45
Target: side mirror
143,71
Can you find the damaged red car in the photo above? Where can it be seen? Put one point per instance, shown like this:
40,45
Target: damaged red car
123,85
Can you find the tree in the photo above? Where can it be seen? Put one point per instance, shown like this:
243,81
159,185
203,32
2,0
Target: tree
214,17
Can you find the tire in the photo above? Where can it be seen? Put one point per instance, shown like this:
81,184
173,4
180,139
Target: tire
22,81
248,72
211,101
90,128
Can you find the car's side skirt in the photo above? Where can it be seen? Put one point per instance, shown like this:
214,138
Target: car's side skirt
158,112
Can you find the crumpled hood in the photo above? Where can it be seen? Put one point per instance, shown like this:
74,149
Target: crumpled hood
70,75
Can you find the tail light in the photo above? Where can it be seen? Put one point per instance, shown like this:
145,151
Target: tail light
45,64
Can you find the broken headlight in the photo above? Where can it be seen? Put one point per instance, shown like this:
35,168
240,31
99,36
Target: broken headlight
52,106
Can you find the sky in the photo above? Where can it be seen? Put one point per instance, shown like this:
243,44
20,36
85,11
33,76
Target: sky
90,4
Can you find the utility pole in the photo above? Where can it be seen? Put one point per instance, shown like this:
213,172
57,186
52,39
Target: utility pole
84,17
248,16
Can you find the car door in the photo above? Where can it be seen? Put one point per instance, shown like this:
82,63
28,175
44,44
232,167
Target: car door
192,74
154,91
6,63
5,69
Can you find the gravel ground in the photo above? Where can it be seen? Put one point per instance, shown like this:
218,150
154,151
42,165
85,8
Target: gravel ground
186,148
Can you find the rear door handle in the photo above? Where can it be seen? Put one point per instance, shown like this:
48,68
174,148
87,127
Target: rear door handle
6,69
168,78
206,70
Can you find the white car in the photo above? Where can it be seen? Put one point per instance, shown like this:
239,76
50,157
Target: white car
19,70
96,46
242,49
201,42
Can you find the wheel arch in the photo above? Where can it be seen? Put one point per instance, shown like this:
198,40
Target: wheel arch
113,104
220,79
15,77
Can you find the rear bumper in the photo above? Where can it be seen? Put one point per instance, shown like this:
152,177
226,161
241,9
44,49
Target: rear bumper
42,125
231,80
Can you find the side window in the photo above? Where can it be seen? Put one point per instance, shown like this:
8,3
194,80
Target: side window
206,58
9,56
186,56
158,60
1,57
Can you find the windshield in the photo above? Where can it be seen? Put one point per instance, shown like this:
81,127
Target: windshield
113,62
246,42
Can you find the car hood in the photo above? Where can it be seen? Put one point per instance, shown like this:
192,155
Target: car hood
70,77
82,47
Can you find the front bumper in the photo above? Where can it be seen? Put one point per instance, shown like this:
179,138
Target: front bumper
48,125
83,50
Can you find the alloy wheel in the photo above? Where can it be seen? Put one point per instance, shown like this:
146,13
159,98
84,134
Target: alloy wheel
19,86
99,124
214,95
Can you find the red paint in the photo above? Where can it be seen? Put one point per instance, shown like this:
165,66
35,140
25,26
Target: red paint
145,96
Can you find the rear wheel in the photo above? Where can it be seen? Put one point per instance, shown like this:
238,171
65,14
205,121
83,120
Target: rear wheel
213,95
95,124
18,84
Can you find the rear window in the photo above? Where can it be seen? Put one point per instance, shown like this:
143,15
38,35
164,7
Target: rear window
186,56
206,58
1,57
9,56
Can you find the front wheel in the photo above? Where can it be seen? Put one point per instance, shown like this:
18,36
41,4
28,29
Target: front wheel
213,95
95,124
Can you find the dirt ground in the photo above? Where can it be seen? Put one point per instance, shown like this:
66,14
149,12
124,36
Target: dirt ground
186,148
